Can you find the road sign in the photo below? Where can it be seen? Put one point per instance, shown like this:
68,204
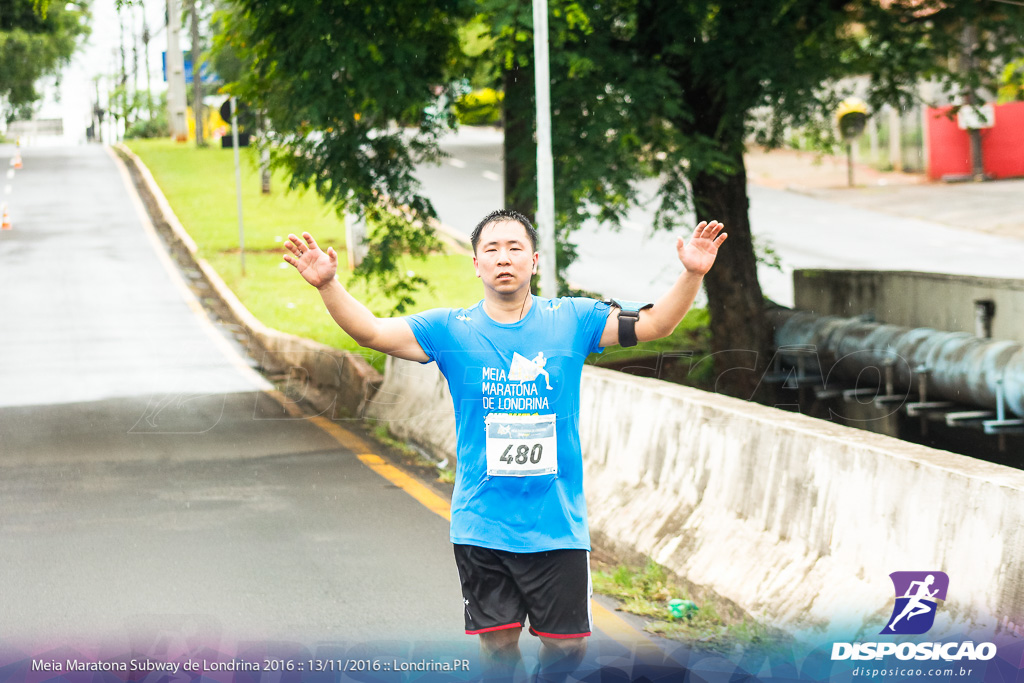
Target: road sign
972,118
206,73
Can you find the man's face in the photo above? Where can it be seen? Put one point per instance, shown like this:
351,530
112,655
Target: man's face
504,257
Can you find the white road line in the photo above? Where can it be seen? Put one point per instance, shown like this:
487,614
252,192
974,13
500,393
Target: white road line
457,163
491,175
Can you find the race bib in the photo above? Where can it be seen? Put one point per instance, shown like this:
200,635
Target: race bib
521,445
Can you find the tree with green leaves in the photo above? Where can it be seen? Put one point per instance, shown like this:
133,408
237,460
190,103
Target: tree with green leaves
354,91
639,89
36,40
597,152
676,90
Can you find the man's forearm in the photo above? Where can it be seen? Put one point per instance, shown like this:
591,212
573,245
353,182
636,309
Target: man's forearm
350,314
661,319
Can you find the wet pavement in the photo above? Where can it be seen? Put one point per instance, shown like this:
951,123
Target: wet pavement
93,308
148,481
994,207
801,211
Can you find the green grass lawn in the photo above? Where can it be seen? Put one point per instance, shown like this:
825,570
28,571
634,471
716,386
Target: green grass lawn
200,186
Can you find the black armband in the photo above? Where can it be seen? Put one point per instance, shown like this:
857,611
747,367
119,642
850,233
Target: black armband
629,313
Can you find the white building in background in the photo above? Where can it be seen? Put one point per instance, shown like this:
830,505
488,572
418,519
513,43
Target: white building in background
93,70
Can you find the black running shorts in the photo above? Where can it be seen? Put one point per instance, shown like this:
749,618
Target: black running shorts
500,589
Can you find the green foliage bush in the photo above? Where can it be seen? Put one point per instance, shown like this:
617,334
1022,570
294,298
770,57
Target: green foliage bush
479,108
155,127
1011,82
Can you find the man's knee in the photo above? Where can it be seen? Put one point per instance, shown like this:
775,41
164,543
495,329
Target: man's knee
565,648
558,658
501,640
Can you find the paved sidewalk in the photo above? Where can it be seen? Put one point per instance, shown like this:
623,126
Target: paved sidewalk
993,207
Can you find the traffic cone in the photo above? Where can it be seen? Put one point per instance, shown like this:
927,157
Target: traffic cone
6,225
16,161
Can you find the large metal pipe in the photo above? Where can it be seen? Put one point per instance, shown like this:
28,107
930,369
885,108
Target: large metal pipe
961,367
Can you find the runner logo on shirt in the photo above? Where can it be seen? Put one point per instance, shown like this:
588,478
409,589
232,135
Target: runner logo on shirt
524,370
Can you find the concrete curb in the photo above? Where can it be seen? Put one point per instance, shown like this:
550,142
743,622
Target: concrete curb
336,382
453,236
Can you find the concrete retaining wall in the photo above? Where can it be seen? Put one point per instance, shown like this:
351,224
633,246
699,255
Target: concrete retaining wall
415,402
797,520
943,302
335,381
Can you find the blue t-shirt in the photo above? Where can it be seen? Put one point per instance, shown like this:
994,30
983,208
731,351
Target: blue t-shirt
530,367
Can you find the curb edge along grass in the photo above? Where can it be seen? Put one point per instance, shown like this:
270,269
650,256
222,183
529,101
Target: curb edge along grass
344,381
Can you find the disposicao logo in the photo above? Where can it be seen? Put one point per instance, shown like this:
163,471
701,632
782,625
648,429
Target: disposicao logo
917,597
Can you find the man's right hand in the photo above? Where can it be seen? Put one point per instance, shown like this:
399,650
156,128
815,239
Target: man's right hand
317,267
392,336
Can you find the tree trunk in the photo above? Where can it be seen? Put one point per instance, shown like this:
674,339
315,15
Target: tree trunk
739,338
520,150
197,81
261,126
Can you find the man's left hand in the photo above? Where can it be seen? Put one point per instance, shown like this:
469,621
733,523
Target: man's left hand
698,255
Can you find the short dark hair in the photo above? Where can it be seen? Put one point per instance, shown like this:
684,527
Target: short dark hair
504,215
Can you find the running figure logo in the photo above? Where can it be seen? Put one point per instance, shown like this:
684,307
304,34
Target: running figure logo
917,594
525,370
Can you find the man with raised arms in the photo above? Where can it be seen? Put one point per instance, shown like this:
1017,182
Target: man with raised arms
513,362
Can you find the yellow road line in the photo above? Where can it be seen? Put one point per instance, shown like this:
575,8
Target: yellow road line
429,499
618,629
607,621
341,435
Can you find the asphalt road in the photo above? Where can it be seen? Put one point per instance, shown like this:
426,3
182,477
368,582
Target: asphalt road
148,483
898,229
158,499
225,514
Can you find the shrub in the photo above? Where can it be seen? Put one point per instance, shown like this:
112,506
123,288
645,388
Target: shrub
479,108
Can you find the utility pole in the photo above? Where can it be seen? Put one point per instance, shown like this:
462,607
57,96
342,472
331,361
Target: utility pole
176,104
197,81
970,39
145,50
123,76
261,127
238,181
97,111
112,100
545,164
135,55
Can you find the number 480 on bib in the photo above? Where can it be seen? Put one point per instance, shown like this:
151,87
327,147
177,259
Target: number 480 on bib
521,445
523,454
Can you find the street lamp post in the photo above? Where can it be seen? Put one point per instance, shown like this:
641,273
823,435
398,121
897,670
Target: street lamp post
238,181
176,103
545,164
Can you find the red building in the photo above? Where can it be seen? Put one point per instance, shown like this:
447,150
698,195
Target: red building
1002,145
